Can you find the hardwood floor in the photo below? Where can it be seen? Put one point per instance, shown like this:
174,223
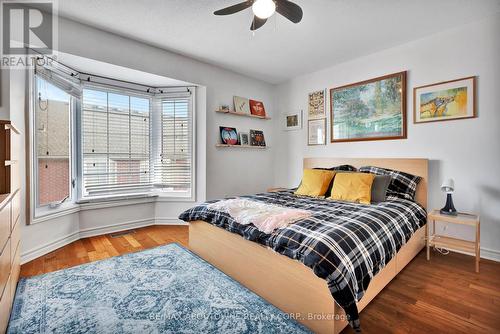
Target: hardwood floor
104,246
443,295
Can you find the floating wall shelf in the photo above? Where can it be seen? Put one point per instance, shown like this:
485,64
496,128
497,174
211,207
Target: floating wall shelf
241,114
241,146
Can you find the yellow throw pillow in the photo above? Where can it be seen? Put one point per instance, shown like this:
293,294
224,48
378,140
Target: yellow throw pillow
315,182
353,187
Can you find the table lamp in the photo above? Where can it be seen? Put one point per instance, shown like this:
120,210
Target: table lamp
448,187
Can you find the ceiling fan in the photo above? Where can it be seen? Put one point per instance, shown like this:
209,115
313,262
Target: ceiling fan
264,9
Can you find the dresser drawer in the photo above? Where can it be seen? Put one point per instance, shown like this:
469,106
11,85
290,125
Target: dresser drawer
15,237
5,307
5,261
16,269
16,150
4,225
15,176
16,208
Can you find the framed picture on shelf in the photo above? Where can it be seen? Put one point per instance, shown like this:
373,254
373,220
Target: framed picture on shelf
257,138
444,101
316,132
316,105
293,121
374,109
257,108
228,136
244,138
241,105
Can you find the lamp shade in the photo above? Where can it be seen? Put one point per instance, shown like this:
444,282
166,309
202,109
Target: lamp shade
448,186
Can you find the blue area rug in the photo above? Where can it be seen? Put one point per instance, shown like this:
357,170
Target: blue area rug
167,289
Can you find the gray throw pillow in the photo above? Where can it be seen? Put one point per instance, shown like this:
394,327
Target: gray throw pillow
379,188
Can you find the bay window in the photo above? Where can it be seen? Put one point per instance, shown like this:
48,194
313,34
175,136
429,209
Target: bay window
93,141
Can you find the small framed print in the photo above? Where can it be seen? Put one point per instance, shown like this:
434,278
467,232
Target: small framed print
293,121
257,138
444,101
241,105
316,132
316,105
244,138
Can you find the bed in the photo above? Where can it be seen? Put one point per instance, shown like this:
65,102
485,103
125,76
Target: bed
289,284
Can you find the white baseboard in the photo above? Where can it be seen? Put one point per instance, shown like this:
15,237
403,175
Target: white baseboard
486,253
490,254
48,247
90,232
169,221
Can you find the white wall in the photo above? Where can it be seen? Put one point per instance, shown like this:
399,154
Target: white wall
466,150
218,171
4,93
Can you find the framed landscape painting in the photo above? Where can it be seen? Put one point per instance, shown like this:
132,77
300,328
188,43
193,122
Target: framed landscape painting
374,109
444,101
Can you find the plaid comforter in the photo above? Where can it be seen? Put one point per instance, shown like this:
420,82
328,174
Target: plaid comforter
344,243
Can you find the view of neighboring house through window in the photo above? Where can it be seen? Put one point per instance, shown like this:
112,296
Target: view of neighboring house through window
174,172
115,142
52,143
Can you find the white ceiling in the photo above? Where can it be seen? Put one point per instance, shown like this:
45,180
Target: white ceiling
332,31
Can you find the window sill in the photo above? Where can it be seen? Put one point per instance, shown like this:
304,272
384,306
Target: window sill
45,214
115,201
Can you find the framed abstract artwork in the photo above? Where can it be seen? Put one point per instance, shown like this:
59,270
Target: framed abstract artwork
228,136
316,132
445,101
316,105
374,109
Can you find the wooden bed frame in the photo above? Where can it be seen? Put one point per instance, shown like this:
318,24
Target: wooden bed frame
290,285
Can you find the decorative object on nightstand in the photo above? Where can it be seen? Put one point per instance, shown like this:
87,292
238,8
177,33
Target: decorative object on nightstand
448,187
454,244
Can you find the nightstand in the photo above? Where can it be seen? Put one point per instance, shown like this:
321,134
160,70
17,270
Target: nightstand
454,244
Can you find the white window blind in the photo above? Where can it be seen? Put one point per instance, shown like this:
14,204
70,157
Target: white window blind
174,165
115,142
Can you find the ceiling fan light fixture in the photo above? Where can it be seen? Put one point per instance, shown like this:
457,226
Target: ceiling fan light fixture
264,9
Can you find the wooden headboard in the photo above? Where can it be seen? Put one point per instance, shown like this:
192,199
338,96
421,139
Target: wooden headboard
418,167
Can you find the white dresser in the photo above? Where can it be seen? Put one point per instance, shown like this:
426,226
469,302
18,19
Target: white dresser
11,153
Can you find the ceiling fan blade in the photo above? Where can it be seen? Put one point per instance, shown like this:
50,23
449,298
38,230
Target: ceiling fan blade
234,8
257,23
288,9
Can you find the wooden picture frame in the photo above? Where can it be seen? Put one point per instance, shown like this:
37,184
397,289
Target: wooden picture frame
320,139
465,88
402,108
